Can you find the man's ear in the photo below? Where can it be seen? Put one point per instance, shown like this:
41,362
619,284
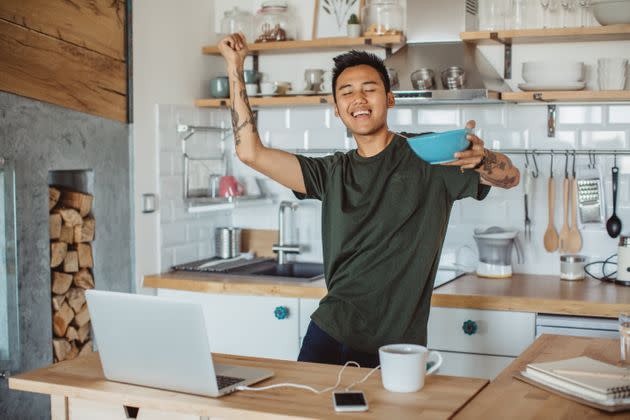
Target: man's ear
390,100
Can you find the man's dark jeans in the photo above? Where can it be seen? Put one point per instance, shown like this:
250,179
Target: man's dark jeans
319,347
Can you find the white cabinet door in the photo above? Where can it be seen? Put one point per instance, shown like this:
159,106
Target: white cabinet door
258,326
472,365
500,333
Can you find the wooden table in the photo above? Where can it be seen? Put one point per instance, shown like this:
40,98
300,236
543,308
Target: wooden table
509,398
79,390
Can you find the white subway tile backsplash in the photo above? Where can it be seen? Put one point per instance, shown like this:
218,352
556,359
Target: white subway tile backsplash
166,211
332,121
564,139
273,118
503,139
579,114
173,234
166,163
167,259
286,139
604,140
186,253
484,115
308,118
619,114
400,116
171,187
324,138
438,116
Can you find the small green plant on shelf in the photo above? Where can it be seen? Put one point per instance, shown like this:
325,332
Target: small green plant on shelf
354,27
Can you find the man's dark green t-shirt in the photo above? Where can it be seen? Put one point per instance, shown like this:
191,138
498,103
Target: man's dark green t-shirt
384,219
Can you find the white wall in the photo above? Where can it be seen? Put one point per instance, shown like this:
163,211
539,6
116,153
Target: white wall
168,68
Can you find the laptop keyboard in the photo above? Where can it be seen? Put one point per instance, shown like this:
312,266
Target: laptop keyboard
225,381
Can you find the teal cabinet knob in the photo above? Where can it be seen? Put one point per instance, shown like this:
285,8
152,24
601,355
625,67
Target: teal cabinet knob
469,327
281,312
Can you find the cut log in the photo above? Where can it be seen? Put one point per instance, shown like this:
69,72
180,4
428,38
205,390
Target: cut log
76,298
83,333
73,353
71,333
71,262
61,348
86,349
61,282
57,301
67,234
85,255
53,197
70,217
85,232
54,226
82,317
84,279
58,251
61,320
81,202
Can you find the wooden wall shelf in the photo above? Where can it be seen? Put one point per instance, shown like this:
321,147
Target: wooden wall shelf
385,41
522,36
270,101
568,96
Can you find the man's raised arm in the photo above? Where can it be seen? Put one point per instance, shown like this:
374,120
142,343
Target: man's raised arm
278,165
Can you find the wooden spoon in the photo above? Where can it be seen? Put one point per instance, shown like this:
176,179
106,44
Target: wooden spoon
574,241
551,236
564,231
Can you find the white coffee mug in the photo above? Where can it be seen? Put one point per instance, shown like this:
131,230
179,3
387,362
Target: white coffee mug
251,88
268,88
404,366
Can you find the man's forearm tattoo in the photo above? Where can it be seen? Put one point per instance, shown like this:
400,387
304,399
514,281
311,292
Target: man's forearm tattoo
491,164
237,125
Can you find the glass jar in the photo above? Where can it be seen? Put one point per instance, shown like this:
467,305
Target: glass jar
237,20
274,22
382,17
572,267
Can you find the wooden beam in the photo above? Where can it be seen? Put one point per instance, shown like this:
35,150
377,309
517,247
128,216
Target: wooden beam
97,25
44,68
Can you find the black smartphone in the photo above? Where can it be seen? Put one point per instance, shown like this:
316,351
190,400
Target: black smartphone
350,401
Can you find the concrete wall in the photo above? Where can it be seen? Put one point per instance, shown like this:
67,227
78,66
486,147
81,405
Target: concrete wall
38,138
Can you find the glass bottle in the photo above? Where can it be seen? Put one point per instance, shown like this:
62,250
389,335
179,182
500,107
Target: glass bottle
237,20
274,22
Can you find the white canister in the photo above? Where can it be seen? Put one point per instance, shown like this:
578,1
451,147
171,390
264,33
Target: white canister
572,267
623,260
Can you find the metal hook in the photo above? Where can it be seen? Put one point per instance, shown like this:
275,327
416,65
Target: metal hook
526,160
551,170
566,163
535,173
573,164
615,158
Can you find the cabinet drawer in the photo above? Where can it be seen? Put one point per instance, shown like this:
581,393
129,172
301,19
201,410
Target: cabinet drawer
499,333
473,365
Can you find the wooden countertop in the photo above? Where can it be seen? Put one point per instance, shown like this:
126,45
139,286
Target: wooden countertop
509,398
83,378
522,292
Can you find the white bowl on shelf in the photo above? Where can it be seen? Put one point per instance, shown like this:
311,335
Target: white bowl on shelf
611,12
553,72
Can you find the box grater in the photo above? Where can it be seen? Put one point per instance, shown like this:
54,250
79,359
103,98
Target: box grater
589,200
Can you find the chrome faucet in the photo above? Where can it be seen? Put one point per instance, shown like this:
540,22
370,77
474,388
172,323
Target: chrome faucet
281,248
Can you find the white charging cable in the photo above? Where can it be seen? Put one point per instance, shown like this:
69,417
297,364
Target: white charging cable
310,388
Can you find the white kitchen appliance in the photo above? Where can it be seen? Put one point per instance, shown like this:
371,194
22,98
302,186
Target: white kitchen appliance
623,261
495,247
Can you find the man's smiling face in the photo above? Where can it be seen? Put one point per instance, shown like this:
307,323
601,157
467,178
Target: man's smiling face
361,99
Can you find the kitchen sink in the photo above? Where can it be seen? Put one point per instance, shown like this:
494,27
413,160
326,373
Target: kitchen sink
301,271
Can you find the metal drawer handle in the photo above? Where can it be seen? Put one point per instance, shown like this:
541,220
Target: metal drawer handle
281,312
469,327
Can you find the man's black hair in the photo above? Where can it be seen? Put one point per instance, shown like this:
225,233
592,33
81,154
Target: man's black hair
357,58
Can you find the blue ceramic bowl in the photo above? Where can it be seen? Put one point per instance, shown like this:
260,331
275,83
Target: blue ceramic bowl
439,147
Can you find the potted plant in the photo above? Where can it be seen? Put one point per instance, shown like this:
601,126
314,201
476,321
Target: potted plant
354,27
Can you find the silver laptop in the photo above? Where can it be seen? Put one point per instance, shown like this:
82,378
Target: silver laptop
161,343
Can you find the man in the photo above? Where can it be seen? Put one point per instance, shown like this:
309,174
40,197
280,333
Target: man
384,210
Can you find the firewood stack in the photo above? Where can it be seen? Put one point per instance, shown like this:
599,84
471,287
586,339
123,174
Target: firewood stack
71,227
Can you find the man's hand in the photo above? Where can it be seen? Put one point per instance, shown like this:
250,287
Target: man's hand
234,49
470,158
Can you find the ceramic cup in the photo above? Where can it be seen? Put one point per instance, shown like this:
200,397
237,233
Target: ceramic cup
282,87
267,88
220,87
230,187
250,76
251,88
403,366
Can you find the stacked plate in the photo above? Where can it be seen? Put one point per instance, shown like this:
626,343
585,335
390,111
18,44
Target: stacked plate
553,75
